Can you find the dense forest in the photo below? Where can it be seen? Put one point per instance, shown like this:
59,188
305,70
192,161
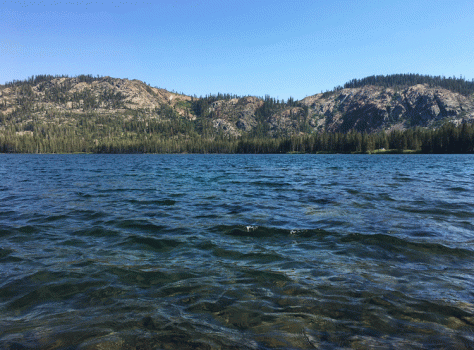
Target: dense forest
181,138
187,126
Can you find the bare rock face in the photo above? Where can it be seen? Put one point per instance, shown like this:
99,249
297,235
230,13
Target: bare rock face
225,127
290,119
429,104
372,108
237,115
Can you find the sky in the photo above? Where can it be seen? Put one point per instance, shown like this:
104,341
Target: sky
280,48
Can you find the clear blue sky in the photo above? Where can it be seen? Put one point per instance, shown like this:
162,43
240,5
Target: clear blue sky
281,48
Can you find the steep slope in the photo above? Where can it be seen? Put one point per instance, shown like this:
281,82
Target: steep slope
373,108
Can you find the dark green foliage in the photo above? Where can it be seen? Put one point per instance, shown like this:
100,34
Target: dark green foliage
94,133
459,85
37,79
271,107
200,106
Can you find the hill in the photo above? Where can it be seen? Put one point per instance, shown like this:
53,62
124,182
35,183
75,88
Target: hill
373,108
86,113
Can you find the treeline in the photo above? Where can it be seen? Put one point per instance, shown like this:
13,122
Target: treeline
36,79
173,137
200,105
459,85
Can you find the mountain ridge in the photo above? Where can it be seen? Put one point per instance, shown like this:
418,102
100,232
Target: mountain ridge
98,110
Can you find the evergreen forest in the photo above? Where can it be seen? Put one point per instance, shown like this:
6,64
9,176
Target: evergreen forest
140,137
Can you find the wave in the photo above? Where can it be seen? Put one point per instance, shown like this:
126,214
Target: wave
162,202
156,244
51,292
144,278
263,231
396,244
97,231
5,256
140,225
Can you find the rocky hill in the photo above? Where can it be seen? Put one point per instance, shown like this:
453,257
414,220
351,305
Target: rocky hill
26,106
84,94
374,108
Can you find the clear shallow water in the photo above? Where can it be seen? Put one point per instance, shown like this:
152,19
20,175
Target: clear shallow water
236,251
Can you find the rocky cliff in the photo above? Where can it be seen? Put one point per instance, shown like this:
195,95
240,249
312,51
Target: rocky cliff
372,108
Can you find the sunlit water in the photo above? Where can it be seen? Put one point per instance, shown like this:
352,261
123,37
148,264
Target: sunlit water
236,251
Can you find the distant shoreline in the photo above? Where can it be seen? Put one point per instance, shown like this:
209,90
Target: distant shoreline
377,152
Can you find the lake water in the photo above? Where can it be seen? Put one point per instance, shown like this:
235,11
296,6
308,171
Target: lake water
236,251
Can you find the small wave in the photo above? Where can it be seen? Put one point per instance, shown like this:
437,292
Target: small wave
140,225
164,202
262,231
249,231
28,229
11,259
6,231
6,256
386,197
207,216
50,292
97,231
117,190
448,210
398,244
218,305
233,255
265,276
86,214
160,245
322,201
271,184
148,278
40,219
4,252
6,213
84,195
235,208
458,189
103,295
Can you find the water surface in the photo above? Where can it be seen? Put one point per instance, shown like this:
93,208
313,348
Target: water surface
236,251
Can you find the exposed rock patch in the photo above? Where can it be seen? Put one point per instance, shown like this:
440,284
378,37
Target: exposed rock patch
373,108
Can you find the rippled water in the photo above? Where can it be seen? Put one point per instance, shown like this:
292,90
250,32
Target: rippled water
236,251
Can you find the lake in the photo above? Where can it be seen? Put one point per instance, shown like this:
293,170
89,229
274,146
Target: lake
236,251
